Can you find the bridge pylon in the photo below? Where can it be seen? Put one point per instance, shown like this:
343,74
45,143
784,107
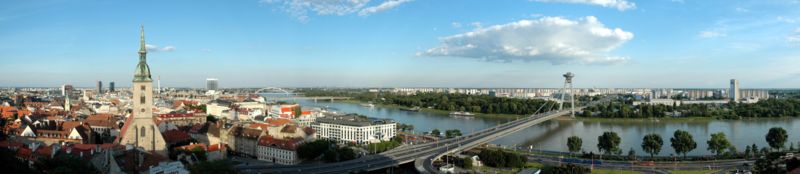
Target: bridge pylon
568,83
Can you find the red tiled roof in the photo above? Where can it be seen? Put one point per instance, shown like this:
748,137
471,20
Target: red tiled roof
193,146
44,151
258,125
127,161
288,144
99,117
216,147
24,153
9,144
174,136
279,122
174,115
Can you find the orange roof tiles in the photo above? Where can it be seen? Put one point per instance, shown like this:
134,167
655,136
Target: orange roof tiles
174,136
279,122
288,144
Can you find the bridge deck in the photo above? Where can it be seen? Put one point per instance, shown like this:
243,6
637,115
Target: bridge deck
421,154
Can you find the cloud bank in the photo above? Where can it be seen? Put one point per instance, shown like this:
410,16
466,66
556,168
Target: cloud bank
551,39
156,48
300,9
620,5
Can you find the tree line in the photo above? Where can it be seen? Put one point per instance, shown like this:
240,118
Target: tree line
683,142
445,101
623,108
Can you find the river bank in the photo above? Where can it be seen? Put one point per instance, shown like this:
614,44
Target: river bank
437,111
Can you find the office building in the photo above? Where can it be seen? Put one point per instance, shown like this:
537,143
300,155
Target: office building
111,87
734,93
353,128
100,87
66,89
212,84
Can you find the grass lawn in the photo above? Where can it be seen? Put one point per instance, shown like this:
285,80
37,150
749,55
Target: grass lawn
691,171
607,171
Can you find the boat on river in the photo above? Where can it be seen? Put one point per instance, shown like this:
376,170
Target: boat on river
461,114
413,109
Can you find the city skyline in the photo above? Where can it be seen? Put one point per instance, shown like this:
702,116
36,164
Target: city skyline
630,44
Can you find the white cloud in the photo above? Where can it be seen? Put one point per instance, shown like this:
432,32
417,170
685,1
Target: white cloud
386,5
456,25
620,5
794,38
477,25
740,9
785,19
156,48
301,9
712,33
552,39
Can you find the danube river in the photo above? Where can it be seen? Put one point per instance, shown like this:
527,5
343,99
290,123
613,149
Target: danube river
552,135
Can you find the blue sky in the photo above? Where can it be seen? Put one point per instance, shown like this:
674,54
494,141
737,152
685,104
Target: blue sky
404,43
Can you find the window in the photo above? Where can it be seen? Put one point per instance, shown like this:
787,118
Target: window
143,87
141,100
142,130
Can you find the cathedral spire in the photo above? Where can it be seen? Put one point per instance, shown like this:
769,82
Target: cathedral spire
142,47
142,72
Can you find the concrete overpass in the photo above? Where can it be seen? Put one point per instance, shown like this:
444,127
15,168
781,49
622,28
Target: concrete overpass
422,155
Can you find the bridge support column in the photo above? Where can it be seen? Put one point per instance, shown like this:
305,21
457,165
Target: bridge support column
331,99
315,100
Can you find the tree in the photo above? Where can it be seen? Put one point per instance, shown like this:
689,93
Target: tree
298,111
652,143
609,142
718,143
467,162
683,142
631,154
435,132
574,144
776,137
211,118
587,113
312,150
65,164
10,163
452,133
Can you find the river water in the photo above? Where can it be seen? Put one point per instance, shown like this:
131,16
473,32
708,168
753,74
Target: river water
552,135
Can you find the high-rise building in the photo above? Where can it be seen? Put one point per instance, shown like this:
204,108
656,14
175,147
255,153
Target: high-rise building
212,84
99,87
66,89
734,93
111,87
139,129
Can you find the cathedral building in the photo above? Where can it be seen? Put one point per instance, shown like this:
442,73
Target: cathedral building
139,130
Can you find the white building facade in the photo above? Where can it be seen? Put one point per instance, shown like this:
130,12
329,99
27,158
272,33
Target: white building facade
354,129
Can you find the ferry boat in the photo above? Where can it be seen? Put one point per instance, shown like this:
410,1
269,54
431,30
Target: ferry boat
461,114
414,109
